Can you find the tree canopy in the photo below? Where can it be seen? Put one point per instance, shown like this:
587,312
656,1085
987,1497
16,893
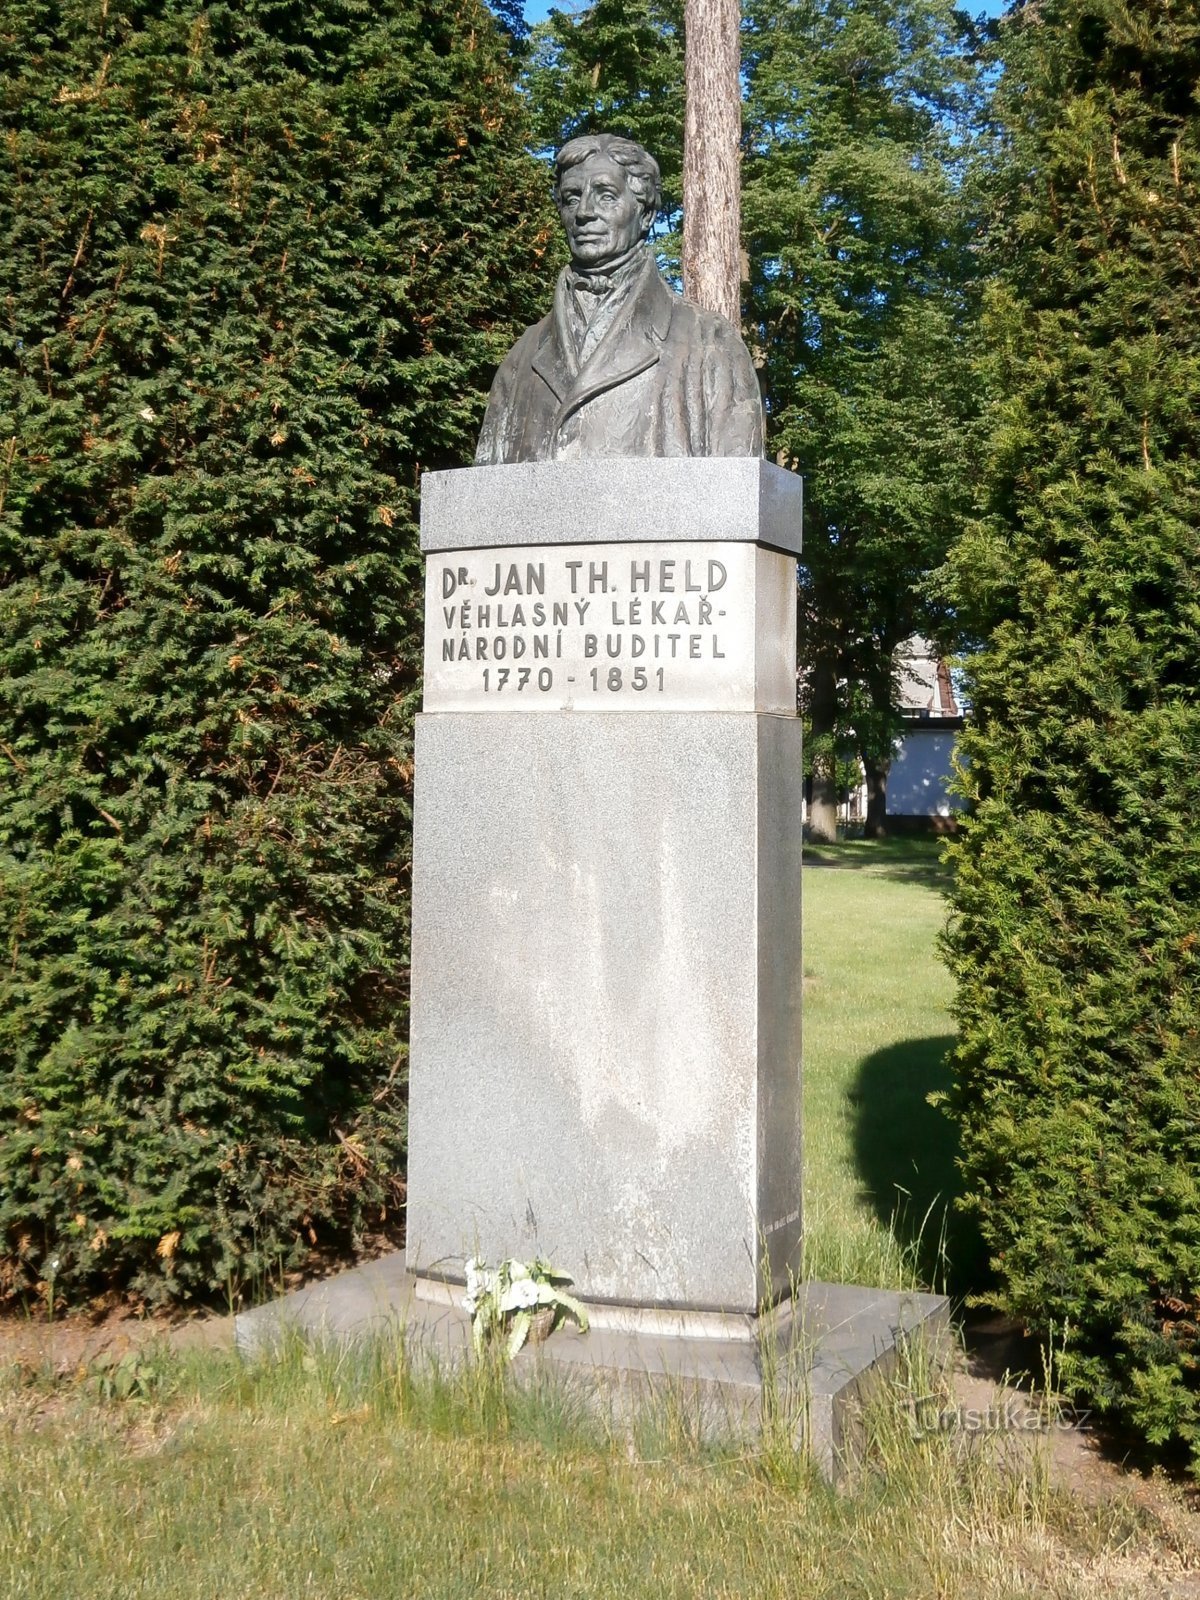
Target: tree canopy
859,122
616,67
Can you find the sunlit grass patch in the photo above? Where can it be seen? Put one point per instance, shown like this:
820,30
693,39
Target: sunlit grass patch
361,1474
879,1173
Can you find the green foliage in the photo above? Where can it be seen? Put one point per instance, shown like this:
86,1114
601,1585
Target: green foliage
262,260
616,67
138,1375
832,753
858,120
504,1302
1076,929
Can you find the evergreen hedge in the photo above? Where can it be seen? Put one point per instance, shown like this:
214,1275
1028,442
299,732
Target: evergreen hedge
1075,933
262,260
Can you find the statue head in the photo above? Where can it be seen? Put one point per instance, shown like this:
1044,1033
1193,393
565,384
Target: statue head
607,190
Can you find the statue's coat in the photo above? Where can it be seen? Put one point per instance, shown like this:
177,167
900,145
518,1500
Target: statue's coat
667,379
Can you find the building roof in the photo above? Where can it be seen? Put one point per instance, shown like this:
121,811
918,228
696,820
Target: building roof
924,681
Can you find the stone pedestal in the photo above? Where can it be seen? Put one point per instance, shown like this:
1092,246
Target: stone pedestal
605,1061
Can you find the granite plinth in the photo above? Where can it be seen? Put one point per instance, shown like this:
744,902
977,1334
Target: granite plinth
605,1047
819,1360
732,498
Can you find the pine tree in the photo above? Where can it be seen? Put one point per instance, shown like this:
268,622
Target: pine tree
1076,928
262,261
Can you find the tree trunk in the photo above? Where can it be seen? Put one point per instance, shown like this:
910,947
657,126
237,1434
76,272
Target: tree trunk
822,811
876,751
711,156
877,777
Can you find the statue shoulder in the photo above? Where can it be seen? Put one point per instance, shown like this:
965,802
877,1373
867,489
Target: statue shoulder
732,403
521,352
708,331
711,326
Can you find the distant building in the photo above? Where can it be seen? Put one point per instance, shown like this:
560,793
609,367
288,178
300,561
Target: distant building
918,791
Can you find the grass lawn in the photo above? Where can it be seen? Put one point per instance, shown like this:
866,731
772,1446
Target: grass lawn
347,1478
354,1477
879,1160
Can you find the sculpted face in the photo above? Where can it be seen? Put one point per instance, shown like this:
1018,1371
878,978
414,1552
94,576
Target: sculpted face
602,216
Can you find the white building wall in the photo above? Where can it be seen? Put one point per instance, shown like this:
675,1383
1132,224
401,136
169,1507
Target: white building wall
921,773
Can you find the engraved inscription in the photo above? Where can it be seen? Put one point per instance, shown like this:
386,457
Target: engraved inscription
641,626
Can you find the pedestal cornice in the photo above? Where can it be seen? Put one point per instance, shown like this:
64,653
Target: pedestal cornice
622,500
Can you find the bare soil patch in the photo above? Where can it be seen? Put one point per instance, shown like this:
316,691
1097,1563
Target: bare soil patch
993,1390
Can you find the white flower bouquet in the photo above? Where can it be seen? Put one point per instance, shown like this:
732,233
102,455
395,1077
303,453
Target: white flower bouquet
514,1301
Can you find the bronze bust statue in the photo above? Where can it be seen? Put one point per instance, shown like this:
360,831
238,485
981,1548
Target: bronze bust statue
621,366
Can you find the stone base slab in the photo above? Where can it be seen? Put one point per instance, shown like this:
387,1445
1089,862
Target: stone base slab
639,1320
815,1364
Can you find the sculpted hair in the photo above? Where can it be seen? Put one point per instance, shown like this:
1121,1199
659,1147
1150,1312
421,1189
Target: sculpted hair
641,169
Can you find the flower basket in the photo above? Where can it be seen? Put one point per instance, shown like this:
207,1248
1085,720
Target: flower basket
541,1324
518,1303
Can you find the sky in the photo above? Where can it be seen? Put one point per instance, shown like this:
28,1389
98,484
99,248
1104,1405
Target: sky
538,10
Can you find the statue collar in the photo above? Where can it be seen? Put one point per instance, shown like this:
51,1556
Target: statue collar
608,278
632,343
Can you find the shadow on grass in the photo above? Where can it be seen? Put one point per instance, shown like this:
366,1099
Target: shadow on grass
904,860
905,1152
